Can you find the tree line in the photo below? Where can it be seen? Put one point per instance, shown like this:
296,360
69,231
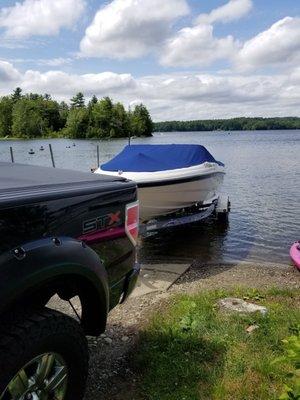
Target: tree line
33,116
232,124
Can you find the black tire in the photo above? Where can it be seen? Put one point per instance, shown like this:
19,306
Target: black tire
223,217
28,335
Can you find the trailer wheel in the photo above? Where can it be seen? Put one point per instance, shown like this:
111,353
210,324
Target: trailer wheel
43,355
223,209
222,218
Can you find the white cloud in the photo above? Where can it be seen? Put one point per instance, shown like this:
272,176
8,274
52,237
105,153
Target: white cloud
39,17
131,28
8,73
295,75
207,88
203,96
197,46
50,62
53,62
230,11
278,45
170,96
64,85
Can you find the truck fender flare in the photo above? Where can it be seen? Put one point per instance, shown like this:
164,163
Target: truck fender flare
61,263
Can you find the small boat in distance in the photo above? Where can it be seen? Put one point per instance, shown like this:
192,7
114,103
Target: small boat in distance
31,151
169,177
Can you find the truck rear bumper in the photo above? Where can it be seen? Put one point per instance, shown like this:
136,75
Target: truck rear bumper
130,281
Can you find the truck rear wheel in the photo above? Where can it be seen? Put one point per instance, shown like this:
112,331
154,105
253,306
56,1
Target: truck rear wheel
43,355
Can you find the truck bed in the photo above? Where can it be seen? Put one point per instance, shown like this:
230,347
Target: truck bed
26,183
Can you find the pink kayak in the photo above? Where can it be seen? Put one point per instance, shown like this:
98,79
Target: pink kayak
295,254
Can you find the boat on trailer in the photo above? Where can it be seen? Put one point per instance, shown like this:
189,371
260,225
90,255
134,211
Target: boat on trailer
170,178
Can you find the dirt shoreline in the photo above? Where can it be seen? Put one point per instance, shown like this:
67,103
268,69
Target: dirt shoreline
110,373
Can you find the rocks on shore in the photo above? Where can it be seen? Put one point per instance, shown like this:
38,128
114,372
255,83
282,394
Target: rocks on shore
233,304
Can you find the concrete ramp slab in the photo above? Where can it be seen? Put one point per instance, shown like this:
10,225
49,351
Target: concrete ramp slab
158,278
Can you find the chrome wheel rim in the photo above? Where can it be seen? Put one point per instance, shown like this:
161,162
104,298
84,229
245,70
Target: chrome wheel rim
43,378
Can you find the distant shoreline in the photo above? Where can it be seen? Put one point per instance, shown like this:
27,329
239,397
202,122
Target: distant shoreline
229,130
232,124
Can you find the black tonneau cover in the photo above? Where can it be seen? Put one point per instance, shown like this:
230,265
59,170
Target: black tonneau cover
23,183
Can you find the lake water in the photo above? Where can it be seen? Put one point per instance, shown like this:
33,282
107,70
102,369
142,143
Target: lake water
262,180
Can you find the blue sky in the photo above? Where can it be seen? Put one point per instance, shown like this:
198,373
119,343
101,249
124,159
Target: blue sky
184,59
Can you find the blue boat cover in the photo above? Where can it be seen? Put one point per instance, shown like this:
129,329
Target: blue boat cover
158,157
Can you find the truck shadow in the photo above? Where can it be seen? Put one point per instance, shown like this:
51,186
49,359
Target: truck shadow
151,360
185,364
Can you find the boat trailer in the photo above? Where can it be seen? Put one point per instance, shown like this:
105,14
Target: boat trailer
219,208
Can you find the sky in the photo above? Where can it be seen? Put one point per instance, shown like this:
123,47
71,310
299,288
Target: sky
184,59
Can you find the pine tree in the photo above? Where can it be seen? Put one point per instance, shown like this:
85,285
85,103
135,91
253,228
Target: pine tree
140,121
93,101
78,101
17,94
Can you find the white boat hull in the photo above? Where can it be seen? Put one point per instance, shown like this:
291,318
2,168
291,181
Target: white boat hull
164,192
161,200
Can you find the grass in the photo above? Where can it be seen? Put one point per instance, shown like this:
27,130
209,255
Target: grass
192,351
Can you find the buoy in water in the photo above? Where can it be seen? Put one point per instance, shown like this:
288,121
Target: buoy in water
295,254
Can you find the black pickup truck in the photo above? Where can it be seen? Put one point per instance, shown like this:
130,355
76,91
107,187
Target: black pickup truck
62,233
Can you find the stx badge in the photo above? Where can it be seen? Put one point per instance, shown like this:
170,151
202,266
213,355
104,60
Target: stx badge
102,222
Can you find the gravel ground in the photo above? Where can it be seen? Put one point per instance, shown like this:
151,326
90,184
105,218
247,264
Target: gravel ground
110,374
227,276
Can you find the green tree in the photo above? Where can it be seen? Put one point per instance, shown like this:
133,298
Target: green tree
35,115
17,94
77,123
51,114
63,113
101,117
34,96
47,96
6,106
140,121
93,101
78,101
231,124
27,119
119,125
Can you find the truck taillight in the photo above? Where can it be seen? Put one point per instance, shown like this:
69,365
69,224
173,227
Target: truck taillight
132,221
